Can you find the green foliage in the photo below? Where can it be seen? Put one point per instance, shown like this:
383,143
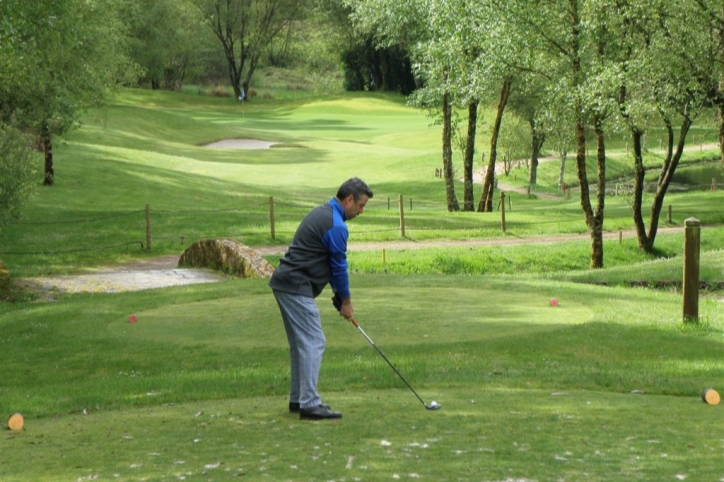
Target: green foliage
163,36
371,67
17,172
63,57
247,30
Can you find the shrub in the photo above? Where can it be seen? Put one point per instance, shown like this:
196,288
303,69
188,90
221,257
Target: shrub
16,172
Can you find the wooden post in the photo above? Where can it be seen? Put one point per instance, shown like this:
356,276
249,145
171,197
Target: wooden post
148,227
713,184
271,217
388,203
402,217
510,203
692,236
383,255
668,219
620,237
502,210
410,204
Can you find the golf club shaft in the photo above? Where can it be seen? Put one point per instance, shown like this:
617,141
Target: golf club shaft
388,361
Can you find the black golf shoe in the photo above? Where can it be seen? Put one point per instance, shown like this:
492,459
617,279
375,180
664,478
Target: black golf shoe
321,412
294,407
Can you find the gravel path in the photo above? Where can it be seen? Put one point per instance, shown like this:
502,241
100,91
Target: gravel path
143,275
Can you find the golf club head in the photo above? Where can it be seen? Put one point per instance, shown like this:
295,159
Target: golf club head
433,406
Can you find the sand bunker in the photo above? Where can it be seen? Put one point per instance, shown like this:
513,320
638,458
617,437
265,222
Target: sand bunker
241,144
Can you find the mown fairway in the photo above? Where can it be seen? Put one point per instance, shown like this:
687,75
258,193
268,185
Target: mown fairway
604,387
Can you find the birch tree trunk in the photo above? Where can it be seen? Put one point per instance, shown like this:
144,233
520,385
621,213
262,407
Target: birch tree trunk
452,200
469,199
486,199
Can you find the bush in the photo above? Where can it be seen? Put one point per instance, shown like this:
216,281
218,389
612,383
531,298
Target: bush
16,172
220,91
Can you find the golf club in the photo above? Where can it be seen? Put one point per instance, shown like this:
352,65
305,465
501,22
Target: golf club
432,406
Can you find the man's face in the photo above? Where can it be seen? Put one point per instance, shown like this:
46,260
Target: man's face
353,208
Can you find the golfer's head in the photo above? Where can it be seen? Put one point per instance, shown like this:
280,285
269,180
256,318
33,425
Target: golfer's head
353,195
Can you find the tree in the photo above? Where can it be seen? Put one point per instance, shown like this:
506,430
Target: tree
469,156
529,103
162,37
562,36
448,169
709,14
61,58
666,71
455,41
245,28
512,143
486,199
17,172
422,24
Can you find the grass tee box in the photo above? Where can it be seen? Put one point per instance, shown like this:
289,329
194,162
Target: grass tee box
196,387
481,435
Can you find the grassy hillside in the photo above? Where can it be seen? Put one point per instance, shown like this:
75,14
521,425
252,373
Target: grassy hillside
148,148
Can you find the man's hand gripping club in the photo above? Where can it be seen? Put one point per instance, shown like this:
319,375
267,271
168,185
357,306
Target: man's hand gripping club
344,306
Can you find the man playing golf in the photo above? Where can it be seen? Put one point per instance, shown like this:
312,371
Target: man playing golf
316,256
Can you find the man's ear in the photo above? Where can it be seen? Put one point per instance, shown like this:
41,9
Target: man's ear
348,201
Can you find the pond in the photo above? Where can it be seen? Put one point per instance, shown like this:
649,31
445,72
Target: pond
700,176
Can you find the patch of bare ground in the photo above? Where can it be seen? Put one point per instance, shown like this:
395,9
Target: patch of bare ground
159,272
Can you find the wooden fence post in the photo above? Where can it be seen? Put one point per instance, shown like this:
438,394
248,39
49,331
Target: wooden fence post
271,217
148,227
502,210
402,217
692,236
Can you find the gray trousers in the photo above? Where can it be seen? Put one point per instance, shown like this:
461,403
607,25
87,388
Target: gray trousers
306,346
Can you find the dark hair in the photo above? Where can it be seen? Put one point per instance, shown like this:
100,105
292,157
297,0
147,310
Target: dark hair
356,187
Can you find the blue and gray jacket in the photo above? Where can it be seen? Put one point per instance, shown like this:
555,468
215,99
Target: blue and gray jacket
317,255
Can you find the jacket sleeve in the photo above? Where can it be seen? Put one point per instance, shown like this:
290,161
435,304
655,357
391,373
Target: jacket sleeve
335,240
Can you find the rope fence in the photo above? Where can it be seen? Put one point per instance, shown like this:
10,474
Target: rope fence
267,221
